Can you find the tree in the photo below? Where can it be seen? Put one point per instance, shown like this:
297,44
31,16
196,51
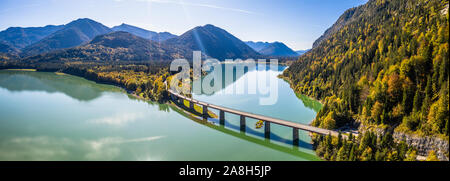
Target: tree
341,155
412,155
367,155
377,111
432,156
417,101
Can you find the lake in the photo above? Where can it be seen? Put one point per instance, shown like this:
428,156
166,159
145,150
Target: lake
46,116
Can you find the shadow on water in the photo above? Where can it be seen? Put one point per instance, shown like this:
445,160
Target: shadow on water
72,86
161,107
310,103
257,137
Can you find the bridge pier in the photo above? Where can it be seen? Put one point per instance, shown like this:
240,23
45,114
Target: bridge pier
191,105
181,102
242,125
205,111
222,117
267,129
295,140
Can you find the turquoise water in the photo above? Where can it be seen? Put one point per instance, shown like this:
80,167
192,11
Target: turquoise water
45,116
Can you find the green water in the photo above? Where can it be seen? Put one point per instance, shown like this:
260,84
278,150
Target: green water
44,116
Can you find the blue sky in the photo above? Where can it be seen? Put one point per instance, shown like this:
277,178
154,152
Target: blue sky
297,23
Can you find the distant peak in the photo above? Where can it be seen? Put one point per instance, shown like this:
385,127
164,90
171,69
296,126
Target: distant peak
209,25
84,19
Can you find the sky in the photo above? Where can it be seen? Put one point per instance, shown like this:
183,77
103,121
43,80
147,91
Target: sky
297,23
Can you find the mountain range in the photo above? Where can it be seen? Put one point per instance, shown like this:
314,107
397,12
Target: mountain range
272,49
114,46
86,39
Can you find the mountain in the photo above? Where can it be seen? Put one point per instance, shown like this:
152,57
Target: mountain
272,49
151,35
301,52
21,37
278,49
73,34
257,46
214,42
383,65
115,46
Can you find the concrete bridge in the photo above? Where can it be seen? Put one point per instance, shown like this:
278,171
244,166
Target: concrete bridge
267,120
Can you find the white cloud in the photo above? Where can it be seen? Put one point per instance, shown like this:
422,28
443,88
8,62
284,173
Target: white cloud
118,119
60,148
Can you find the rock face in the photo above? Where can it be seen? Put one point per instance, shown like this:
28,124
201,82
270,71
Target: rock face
425,144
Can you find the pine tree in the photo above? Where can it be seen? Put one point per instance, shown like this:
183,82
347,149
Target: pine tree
432,156
417,101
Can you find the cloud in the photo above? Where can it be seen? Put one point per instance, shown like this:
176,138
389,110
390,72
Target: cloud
98,144
118,119
108,148
195,4
60,148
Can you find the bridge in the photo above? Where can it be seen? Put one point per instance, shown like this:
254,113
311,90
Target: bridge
267,120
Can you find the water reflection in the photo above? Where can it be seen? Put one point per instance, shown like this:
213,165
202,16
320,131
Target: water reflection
75,87
57,148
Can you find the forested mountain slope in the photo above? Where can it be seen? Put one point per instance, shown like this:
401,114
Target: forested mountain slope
386,65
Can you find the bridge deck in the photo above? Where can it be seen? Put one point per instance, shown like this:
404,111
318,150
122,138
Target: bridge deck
261,117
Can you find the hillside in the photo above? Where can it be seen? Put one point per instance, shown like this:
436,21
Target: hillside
213,41
19,38
349,16
257,46
73,34
7,52
5,47
383,64
115,46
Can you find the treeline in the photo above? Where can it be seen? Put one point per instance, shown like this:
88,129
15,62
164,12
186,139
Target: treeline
146,80
366,147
